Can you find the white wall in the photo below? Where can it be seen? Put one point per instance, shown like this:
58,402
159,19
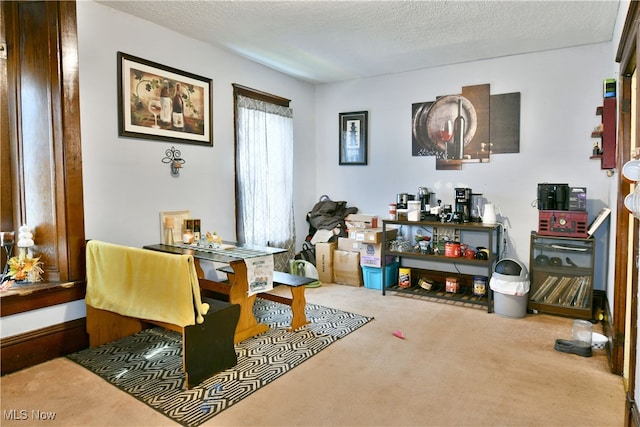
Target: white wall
125,183
560,91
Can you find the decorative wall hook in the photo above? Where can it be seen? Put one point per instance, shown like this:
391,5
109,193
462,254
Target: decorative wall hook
175,161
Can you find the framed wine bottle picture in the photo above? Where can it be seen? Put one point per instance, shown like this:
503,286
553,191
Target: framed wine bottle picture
163,103
353,142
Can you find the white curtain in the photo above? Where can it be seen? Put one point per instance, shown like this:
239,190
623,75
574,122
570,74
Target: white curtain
264,173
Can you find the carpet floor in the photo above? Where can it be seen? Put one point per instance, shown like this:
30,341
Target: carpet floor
148,365
457,366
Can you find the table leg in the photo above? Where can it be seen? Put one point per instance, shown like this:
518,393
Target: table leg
248,325
298,304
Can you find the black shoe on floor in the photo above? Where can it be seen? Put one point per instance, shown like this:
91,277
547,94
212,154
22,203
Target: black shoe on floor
567,346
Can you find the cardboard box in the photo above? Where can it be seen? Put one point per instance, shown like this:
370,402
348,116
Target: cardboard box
577,198
322,236
346,268
324,260
372,235
371,255
361,221
351,245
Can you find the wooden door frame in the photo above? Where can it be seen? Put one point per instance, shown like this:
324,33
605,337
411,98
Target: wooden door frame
627,57
41,41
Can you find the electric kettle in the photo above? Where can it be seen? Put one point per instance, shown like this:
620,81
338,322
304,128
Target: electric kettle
490,212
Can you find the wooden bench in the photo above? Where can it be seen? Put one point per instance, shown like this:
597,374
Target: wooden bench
207,348
236,288
297,302
207,344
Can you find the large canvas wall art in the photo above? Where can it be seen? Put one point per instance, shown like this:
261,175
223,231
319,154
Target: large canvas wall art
467,127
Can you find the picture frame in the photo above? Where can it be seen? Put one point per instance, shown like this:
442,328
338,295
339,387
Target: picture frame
353,145
177,218
162,103
597,222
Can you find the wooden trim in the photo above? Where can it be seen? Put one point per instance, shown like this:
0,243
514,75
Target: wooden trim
625,50
258,94
627,57
13,304
42,42
632,417
28,349
235,161
608,331
618,319
633,326
71,241
6,183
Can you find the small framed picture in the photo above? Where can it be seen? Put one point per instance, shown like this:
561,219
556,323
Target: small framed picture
353,138
172,226
162,103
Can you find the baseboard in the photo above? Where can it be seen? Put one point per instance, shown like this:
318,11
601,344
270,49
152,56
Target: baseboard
632,417
602,314
33,347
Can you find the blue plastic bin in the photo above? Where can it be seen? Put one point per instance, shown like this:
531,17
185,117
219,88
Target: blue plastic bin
372,276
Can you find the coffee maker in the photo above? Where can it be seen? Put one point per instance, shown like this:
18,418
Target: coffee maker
463,204
402,200
427,199
553,197
477,203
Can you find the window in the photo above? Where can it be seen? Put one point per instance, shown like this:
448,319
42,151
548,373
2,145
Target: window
264,172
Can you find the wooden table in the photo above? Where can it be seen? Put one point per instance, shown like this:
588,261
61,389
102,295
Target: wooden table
237,287
297,302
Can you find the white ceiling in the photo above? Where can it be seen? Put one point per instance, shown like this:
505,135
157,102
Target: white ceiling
327,41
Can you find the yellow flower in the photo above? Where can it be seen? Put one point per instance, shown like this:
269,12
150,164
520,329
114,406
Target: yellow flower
27,268
29,263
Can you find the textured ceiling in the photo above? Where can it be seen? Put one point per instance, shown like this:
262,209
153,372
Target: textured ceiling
326,41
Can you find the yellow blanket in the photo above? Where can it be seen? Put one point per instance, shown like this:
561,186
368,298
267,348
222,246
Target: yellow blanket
143,284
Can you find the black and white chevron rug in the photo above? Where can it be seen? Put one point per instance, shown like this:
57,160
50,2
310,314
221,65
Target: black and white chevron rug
148,365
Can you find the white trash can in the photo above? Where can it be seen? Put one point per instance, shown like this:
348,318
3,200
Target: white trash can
510,285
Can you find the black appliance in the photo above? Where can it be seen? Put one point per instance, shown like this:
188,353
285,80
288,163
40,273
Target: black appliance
553,197
463,203
427,199
402,200
477,204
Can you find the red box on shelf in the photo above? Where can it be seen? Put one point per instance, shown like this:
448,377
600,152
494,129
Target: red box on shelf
563,223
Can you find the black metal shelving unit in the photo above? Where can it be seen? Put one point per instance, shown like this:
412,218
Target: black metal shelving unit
438,267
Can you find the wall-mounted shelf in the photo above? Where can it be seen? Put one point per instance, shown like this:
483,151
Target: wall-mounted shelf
607,135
